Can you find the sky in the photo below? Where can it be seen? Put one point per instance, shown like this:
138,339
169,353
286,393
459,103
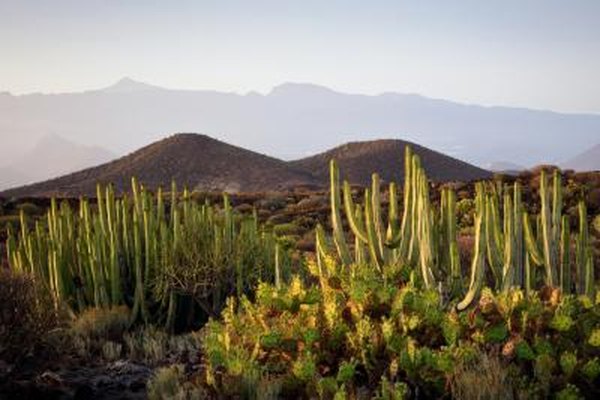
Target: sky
542,54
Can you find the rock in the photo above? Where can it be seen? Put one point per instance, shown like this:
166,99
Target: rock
50,379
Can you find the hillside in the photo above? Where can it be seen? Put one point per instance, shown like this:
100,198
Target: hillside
586,161
197,161
358,160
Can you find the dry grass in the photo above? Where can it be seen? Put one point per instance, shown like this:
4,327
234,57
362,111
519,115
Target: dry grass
27,315
485,379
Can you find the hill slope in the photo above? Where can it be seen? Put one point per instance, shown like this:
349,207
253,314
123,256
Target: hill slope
358,160
586,161
196,161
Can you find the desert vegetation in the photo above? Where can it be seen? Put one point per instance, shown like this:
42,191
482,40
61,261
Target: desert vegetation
470,291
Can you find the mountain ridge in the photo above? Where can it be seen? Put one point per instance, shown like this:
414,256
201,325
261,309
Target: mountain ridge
203,163
293,120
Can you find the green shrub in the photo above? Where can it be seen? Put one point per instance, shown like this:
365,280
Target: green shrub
360,331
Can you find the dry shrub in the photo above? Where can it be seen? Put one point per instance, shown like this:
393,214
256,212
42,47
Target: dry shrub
484,379
95,327
27,315
102,323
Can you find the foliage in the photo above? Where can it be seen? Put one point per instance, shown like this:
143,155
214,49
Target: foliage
26,315
357,330
169,383
159,257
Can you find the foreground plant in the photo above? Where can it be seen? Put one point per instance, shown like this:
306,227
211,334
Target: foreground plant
358,331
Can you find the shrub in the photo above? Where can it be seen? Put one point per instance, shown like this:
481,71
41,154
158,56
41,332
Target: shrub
597,224
27,315
169,383
359,331
484,378
286,229
30,209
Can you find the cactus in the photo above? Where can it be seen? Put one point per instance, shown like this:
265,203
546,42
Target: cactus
336,218
478,262
551,219
565,255
584,256
123,251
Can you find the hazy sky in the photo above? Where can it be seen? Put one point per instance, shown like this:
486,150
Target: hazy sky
536,53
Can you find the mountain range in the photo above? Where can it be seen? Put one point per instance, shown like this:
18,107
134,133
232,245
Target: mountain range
207,164
292,121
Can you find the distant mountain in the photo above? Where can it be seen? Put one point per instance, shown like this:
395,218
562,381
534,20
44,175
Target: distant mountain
128,85
358,160
589,160
205,164
9,177
292,121
52,156
196,161
505,167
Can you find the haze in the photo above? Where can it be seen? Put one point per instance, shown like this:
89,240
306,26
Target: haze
536,53
223,68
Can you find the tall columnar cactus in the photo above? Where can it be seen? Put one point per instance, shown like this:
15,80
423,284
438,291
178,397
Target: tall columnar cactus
123,250
551,214
478,261
450,258
565,255
336,216
584,256
415,240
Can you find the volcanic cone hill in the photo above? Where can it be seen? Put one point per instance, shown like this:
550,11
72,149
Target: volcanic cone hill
206,164
196,161
358,160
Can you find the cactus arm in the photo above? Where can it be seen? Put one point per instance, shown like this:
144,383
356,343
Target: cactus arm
508,269
531,242
425,239
359,247
376,212
392,239
565,255
336,218
585,260
405,228
519,251
349,207
494,256
547,234
373,244
478,262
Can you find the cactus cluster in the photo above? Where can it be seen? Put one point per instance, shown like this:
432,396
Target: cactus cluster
423,239
148,251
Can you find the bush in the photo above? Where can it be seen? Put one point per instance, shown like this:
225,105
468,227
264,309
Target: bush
597,224
359,331
170,383
27,315
30,209
286,229
98,332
